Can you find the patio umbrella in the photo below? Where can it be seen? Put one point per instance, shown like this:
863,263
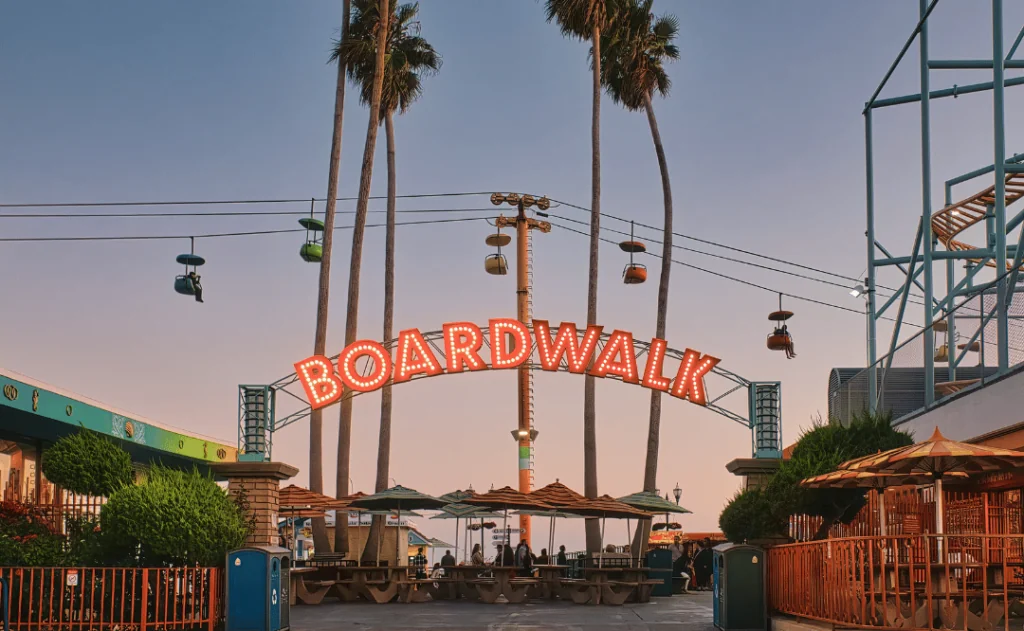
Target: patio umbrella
457,512
653,503
846,479
556,494
605,507
295,502
937,457
395,499
507,498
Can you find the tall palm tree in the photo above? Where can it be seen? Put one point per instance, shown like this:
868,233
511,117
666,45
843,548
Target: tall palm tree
635,52
364,9
584,19
407,59
316,418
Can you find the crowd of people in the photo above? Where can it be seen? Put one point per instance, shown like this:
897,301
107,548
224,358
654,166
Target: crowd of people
692,562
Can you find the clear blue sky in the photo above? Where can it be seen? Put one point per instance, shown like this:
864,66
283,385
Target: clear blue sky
233,100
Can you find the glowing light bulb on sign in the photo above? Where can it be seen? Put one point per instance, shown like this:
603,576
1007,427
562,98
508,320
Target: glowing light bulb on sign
511,344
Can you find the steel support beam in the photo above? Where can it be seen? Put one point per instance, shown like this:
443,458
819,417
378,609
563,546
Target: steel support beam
872,349
944,93
926,208
971,64
999,124
900,266
899,57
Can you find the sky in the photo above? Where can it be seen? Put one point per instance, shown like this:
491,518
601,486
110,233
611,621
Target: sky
122,101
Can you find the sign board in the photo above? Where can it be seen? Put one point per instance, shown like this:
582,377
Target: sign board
911,524
511,343
72,578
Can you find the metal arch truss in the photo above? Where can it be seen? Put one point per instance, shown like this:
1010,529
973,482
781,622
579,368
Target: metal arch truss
754,405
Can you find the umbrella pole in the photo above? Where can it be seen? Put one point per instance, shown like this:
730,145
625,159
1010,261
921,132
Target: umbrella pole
398,532
629,539
939,514
882,525
600,559
457,541
504,533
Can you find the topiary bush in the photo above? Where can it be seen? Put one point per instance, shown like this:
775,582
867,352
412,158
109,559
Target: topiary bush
174,518
749,516
88,464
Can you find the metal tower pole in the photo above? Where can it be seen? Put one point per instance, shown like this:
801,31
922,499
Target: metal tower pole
1002,295
926,211
870,304
522,313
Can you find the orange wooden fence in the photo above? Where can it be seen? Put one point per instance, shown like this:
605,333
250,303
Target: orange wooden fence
142,599
967,582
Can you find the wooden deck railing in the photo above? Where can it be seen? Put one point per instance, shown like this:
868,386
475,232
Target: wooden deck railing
969,582
87,599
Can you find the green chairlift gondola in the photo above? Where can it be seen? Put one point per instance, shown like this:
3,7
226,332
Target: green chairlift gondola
312,251
188,283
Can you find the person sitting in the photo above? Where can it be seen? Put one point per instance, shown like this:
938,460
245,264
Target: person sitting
543,558
447,560
196,287
478,556
437,572
508,557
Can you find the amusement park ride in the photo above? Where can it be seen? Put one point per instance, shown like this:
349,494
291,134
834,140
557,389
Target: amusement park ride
941,234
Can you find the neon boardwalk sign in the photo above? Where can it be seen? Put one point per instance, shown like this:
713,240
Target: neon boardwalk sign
511,344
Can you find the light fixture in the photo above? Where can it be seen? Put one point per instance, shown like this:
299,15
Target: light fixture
858,291
519,434
678,493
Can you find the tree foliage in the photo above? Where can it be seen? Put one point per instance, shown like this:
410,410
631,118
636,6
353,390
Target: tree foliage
174,518
749,516
88,464
27,538
634,52
821,449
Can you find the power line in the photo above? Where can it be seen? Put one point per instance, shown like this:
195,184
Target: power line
218,235
214,202
270,213
733,248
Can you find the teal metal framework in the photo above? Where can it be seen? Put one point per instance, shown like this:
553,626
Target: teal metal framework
925,250
260,413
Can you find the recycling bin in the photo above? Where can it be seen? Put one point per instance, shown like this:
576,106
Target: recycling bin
256,594
659,568
740,601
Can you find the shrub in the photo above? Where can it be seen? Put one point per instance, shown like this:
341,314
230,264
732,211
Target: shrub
88,464
174,518
749,516
26,538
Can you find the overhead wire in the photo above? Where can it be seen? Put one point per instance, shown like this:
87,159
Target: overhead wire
214,202
236,213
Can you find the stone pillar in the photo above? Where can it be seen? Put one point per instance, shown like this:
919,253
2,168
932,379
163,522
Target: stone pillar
261,483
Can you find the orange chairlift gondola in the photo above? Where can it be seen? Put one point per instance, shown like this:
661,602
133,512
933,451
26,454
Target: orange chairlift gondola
780,339
634,273
495,263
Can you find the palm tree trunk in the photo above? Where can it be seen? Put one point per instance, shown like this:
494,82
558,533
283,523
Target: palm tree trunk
316,417
643,530
593,527
384,442
355,267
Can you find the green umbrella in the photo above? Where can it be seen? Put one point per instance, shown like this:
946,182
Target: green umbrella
652,503
395,499
459,511
457,496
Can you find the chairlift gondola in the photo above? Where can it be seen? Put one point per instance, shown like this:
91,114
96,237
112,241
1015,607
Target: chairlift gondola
312,251
634,273
780,339
188,284
495,264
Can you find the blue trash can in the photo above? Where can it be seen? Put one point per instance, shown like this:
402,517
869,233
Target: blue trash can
256,594
740,600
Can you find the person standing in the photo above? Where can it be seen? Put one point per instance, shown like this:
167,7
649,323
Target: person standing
561,556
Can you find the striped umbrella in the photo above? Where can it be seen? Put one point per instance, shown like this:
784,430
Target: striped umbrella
936,458
846,479
556,494
507,498
605,507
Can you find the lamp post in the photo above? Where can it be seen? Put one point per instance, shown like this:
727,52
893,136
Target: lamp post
678,493
524,433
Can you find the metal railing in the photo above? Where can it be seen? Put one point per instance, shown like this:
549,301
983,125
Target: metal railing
968,360
970,582
86,599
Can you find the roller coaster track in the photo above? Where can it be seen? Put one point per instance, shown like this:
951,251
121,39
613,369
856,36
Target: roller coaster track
948,223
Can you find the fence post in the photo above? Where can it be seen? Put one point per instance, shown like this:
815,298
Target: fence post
214,599
5,599
145,598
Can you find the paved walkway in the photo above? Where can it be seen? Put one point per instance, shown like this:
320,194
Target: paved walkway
691,612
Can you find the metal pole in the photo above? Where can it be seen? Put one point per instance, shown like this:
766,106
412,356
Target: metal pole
926,212
870,187
522,308
951,318
998,116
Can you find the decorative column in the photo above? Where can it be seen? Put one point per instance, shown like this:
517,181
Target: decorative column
260,482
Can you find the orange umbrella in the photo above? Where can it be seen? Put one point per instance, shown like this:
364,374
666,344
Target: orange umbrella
504,499
605,507
938,457
556,494
296,498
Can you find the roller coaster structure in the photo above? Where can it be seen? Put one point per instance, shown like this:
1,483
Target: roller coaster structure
940,233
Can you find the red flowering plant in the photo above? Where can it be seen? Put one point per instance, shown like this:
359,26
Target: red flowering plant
27,536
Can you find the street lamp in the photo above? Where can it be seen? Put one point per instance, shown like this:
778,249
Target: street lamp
678,492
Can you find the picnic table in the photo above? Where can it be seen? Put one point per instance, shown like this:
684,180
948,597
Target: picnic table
550,577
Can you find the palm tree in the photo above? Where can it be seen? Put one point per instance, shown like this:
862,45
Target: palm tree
316,417
635,52
408,58
363,15
584,19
